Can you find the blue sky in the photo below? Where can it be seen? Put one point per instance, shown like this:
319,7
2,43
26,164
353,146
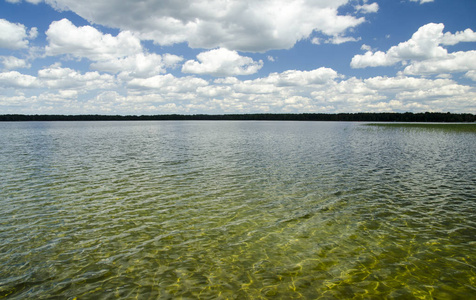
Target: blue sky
237,56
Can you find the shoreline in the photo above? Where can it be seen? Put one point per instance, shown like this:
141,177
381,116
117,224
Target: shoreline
427,117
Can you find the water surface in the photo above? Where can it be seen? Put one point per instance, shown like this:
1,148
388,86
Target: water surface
238,210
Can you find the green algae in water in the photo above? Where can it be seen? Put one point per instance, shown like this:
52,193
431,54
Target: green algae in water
236,210
451,127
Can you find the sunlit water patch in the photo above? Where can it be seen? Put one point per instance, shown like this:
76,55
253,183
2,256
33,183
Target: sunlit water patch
238,210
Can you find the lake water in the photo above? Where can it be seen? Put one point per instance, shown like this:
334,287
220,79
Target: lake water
237,210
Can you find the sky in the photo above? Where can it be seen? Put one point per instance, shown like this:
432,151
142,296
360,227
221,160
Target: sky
147,57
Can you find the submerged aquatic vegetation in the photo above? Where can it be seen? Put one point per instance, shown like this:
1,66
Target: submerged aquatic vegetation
236,210
453,127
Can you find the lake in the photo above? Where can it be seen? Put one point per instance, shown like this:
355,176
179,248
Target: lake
236,210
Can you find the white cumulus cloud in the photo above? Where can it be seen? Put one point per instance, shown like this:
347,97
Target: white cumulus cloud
12,62
122,54
337,40
60,78
86,41
467,35
424,44
15,36
454,62
404,83
302,78
422,1
222,63
318,90
423,54
168,83
138,65
471,75
14,79
368,8
243,25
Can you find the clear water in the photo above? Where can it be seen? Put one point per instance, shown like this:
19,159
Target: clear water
236,210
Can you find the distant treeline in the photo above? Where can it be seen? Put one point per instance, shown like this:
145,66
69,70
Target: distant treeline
354,117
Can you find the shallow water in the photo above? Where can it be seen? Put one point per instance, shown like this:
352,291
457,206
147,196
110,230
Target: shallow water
238,210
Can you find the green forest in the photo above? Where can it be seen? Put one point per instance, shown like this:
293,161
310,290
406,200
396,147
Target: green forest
352,117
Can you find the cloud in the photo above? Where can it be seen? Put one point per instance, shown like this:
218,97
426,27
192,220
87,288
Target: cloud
86,41
302,78
56,77
349,95
450,90
366,47
423,53
286,91
424,44
29,1
467,35
33,33
122,54
14,79
404,83
14,104
55,90
227,80
399,93
126,78
422,1
368,8
221,63
421,94
471,75
372,59
336,40
64,101
168,83
454,62
12,62
14,35
324,90
243,25
138,65
319,90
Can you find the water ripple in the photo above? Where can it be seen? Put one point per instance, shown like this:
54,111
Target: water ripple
235,210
